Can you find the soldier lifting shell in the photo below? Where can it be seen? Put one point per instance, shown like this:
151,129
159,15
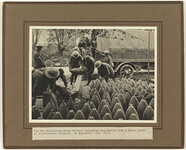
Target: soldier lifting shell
104,70
45,80
75,61
107,58
88,62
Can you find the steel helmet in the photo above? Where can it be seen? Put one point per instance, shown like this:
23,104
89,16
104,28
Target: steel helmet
98,64
106,51
49,63
75,54
52,72
76,48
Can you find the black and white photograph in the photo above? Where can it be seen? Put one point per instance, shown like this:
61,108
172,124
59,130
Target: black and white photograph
93,74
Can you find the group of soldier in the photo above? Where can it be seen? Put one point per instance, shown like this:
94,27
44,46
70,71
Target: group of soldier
44,77
104,67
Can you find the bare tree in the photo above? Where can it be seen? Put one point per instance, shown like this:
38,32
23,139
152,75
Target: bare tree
64,38
97,32
35,37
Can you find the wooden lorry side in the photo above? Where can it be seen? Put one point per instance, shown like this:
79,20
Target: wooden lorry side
129,55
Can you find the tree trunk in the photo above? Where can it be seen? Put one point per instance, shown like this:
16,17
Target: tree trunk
61,49
93,36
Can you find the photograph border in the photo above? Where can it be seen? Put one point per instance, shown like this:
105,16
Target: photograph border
94,27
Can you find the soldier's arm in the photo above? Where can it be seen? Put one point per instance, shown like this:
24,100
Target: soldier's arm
111,62
107,72
80,61
63,77
101,53
84,62
70,63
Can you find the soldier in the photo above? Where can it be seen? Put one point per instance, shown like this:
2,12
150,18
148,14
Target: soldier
93,47
104,70
76,49
55,88
82,52
74,62
45,80
82,43
112,73
88,62
108,59
38,58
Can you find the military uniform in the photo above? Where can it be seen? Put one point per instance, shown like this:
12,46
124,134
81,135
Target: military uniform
42,84
88,62
111,70
61,90
38,60
108,60
94,45
106,71
82,44
93,50
82,51
74,62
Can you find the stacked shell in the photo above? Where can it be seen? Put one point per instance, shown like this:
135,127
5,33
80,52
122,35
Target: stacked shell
118,99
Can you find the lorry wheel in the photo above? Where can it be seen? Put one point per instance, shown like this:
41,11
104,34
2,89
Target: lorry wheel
126,71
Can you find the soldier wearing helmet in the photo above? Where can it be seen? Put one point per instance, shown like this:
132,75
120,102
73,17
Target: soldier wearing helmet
45,81
82,43
108,59
88,62
104,70
75,61
76,49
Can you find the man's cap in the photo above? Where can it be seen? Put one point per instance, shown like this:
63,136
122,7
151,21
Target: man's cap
52,73
106,52
39,45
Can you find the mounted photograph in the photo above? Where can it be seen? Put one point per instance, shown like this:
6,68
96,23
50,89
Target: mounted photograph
93,74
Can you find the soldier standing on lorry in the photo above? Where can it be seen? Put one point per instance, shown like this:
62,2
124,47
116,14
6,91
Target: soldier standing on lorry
74,62
108,59
88,62
104,70
38,58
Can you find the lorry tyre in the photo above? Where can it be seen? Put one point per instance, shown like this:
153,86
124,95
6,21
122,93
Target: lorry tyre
126,71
